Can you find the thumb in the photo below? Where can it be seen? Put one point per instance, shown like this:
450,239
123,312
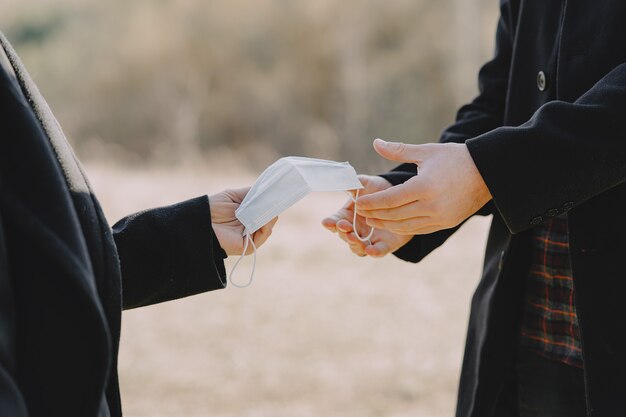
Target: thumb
365,180
397,151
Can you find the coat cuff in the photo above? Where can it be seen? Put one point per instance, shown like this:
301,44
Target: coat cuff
168,253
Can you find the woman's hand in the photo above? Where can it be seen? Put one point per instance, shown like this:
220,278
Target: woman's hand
226,226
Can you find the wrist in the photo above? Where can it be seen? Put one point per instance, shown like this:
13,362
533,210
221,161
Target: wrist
479,186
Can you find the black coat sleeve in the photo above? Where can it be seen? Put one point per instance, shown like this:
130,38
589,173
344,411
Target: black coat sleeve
564,155
483,114
11,400
169,252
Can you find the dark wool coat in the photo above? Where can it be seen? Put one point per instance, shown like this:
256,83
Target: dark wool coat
548,134
62,268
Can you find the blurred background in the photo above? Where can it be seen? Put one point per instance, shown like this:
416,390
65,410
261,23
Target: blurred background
165,100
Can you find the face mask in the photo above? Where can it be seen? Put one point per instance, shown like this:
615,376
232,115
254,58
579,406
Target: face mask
283,184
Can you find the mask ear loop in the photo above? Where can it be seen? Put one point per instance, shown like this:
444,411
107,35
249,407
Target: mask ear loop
356,233
249,240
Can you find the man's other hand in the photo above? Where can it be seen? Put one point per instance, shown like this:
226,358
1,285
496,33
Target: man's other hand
382,242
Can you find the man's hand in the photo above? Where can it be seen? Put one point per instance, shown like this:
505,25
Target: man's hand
227,228
447,190
382,241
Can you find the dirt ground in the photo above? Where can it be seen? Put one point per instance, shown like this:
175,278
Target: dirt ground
320,332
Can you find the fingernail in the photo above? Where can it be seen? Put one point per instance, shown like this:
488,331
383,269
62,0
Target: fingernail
379,141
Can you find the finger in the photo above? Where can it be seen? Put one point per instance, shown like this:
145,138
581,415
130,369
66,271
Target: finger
345,212
378,249
349,206
365,181
356,246
391,197
351,239
261,235
362,229
358,250
407,211
403,227
344,237
397,151
269,226
354,240
345,226
259,239
238,194
373,183
330,223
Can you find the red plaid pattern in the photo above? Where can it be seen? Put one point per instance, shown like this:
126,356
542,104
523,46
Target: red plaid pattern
550,324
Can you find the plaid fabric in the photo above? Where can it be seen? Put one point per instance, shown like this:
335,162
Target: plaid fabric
550,324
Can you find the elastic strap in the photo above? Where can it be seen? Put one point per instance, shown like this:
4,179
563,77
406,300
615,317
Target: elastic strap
249,240
356,232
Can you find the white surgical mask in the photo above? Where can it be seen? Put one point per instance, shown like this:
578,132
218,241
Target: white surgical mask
284,183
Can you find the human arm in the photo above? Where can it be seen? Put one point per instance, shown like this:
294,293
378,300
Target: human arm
179,250
445,201
484,113
566,154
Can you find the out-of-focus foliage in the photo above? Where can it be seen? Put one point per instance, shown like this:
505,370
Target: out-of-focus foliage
166,81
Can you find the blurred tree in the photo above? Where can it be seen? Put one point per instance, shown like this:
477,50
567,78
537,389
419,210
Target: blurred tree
170,81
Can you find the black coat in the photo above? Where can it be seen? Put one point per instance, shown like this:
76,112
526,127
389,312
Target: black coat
548,134
63,270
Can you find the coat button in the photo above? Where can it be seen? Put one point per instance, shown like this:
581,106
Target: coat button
536,220
568,206
541,81
552,213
